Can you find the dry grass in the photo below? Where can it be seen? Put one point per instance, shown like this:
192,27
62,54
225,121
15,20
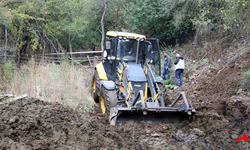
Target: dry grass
62,83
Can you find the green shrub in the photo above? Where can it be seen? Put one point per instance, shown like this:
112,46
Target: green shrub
166,82
170,86
205,59
8,70
246,76
85,106
65,59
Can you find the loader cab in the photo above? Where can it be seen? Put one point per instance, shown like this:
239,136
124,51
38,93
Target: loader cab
127,47
126,50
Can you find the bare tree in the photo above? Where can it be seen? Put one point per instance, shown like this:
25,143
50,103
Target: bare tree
102,24
6,33
70,44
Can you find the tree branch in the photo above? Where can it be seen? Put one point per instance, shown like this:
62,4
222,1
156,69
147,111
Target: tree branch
102,24
73,37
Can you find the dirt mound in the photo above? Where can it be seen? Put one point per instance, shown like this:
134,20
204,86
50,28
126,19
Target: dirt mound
222,106
223,115
34,124
211,91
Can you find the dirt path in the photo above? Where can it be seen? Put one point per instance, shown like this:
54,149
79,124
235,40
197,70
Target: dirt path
223,115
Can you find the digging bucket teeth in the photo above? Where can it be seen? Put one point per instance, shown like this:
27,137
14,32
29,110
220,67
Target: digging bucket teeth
175,113
152,116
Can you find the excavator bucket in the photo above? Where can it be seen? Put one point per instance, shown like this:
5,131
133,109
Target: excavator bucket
177,112
152,117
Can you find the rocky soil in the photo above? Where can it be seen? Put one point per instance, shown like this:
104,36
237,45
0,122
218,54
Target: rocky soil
221,102
222,105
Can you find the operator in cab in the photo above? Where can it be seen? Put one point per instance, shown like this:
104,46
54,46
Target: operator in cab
128,49
132,50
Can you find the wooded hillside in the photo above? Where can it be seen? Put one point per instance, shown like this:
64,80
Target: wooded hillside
42,26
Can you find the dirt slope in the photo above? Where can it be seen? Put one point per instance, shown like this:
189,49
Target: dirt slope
221,104
223,115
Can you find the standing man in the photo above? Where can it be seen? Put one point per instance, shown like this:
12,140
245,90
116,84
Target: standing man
179,68
167,66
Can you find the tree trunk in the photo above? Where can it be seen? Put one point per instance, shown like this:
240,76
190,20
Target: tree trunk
70,47
102,24
93,49
6,34
44,46
18,57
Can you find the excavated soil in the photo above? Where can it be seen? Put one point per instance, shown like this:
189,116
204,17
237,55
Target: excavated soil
34,124
221,102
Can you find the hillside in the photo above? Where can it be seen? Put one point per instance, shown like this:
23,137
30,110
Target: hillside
47,55
222,106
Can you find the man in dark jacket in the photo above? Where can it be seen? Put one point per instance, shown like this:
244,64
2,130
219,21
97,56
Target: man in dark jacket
179,68
167,66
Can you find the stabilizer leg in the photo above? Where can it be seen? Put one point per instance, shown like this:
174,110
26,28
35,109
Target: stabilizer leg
113,115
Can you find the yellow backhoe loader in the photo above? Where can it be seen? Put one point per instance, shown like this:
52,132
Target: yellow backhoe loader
125,82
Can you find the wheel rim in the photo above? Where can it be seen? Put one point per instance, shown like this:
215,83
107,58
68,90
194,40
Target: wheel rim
94,85
103,108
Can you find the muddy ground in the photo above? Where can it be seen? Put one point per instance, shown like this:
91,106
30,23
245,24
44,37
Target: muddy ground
221,101
222,104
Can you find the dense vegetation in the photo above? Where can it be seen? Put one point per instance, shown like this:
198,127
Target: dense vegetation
54,25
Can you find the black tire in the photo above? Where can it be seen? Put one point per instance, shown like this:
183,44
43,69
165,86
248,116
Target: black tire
107,100
96,87
164,94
